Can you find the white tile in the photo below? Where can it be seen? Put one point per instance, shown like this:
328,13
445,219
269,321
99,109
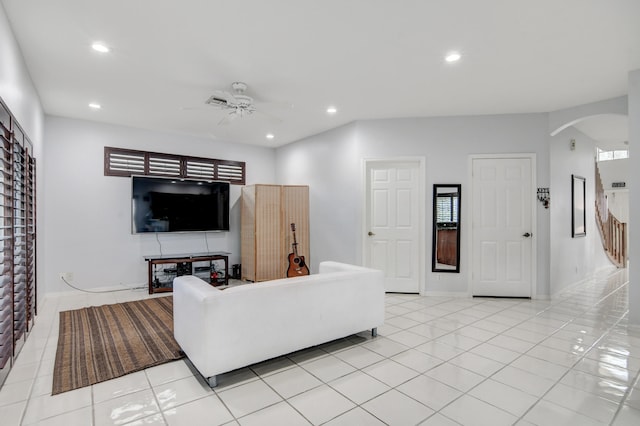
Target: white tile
476,333
417,360
523,380
278,414
359,357
540,367
42,385
605,370
272,366
321,404
476,363
605,388
385,347
458,341
359,387
428,330
408,338
390,372
357,416
168,372
506,397
45,406
496,353
292,381
429,391
511,343
124,385
154,420
628,416
439,420
546,413
328,368
439,350
22,373
249,397
125,409
455,376
10,393
235,378
395,408
468,410
82,416
208,411
564,358
582,402
11,414
401,322
180,392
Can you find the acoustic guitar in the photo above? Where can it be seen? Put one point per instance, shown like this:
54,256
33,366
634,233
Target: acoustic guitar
297,266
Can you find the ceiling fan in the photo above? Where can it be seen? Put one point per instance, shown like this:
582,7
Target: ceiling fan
236,103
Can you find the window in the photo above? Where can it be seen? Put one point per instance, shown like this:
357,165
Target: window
615,154
447,208
128,162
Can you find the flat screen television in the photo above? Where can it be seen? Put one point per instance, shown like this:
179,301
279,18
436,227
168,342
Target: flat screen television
178,205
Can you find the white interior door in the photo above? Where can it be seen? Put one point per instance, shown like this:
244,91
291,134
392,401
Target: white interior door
502,227
393,225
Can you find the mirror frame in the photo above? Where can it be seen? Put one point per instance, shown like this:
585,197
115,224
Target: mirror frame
458,188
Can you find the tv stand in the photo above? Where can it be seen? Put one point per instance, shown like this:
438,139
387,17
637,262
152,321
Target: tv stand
212,267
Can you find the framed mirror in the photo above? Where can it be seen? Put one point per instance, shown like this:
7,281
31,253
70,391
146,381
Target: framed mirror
446,228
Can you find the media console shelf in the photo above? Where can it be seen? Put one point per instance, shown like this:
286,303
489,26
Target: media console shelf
211,267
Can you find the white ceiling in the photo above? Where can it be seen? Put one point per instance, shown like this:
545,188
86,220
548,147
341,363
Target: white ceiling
369,58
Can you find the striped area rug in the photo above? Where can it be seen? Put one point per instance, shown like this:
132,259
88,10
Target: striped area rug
104,342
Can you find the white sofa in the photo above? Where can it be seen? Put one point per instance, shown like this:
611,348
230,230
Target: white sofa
221,331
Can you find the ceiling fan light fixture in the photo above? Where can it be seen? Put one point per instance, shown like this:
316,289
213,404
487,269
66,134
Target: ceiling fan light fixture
453,56
100,47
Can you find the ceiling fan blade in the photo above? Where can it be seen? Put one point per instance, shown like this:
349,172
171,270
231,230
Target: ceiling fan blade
228,118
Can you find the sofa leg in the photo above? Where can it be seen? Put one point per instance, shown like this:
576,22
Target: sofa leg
213,381
374,332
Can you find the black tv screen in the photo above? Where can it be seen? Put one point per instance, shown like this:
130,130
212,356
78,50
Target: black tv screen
178,205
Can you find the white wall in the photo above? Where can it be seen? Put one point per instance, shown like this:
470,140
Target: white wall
573,259
331,163
634,197
19,94
87,226
614,171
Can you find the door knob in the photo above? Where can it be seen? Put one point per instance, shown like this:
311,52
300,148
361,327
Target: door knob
371,234
526,235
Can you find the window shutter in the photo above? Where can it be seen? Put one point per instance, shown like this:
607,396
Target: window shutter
128,162
231,171
123,162
164,165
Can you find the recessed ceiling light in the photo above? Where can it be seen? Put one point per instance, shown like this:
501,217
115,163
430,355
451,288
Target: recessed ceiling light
99,47
270,136
331,110
452,57
93,105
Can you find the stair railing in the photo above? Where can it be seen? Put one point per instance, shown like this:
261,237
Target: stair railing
612,231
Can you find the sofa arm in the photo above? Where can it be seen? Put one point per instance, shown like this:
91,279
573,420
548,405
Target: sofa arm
190,313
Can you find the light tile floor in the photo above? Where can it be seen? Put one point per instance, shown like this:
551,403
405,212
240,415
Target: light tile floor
437,361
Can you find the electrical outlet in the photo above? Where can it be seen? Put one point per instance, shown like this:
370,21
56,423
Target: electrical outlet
66,276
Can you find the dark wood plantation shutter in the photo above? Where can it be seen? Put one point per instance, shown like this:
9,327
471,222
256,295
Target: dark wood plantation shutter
128,162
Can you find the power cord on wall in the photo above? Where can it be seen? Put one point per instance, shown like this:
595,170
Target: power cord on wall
102,291
206,241
159,243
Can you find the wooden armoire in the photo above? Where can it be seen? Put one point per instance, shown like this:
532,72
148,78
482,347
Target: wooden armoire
267,212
